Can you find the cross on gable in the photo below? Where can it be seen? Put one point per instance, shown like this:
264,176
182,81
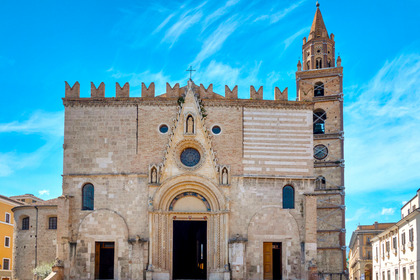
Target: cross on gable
190,70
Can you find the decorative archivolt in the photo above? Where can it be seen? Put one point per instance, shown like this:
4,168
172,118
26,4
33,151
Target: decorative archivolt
196,184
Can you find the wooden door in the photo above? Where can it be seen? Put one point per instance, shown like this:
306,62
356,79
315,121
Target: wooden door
97,258
268,260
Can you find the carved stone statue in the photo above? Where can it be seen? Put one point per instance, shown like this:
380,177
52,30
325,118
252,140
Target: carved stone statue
154,175
190,124
224,177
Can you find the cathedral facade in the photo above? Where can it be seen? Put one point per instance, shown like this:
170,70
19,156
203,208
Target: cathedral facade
191,184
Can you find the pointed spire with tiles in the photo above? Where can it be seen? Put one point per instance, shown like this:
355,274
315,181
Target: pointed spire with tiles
318,29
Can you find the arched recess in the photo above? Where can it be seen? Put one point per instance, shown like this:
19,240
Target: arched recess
101,225
181,184
274,224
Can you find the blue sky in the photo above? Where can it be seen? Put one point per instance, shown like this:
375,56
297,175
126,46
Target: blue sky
235,42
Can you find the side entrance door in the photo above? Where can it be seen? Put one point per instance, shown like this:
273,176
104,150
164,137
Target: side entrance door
272,263
104,260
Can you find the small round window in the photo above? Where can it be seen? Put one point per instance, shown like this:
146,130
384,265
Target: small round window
320,152
163,128
216,129
190,157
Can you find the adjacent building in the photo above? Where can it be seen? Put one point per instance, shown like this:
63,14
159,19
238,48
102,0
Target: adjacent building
35,233
360,250
6,236
395,251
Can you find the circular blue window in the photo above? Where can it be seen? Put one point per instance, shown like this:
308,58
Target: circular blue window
190,157
216,129
163,128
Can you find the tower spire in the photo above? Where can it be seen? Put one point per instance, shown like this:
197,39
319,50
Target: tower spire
318,29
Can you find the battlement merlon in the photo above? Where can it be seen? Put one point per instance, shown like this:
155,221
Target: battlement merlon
148,92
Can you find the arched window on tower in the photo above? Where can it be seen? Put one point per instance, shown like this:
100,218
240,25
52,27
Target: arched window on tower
319,89
319,121
308,65
87,197
288,197
320,183
318,63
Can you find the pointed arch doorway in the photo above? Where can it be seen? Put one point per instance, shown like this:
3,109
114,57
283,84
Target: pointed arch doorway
188,225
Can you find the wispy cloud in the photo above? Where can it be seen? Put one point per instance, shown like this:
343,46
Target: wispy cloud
163,24
383,128
289,40
135,79
50,126
388,211
184,22
215,41
39,122
219,13
273,18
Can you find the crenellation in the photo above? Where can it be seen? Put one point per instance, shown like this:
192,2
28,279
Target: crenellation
148,91
281,95
231,94
122,91
256,95
173,91
72,92
97,92
206,93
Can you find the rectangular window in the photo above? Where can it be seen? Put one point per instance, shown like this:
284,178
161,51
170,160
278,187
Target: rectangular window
394,243
7,218
403,239
387,247
383,275
412,276
411,235
7,241
6,264
404,274
389,274
52,223
377,276
25,223
383,250
396,274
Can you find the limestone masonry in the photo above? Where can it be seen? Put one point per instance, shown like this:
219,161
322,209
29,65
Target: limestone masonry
192,184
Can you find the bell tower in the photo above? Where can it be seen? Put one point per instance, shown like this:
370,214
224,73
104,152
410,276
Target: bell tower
320,80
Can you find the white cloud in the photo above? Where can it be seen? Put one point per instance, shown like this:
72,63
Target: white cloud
280,14
288,41
44,192
184,22
215,41
50,127
218,13
388,211
225,74
383,127
147,77
39,122
163,23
